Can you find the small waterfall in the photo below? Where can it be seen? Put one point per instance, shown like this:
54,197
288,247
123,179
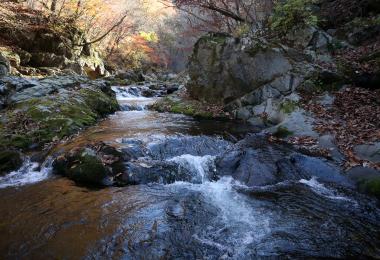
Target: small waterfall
133,107
242,224
199,166
126,92
131,99
30,172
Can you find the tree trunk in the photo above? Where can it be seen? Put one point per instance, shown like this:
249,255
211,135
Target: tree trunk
53,6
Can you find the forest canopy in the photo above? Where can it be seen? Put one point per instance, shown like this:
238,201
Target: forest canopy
140,33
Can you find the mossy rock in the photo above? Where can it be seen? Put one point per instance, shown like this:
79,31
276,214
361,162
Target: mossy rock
373,187
10,160
83,167
94,164
370,186
99,102
289,106
189,108
282,132
366,179
37,121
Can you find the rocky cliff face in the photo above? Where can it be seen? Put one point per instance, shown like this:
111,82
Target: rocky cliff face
244,73
34,45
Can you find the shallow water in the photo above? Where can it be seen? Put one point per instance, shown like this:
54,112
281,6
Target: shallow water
45,216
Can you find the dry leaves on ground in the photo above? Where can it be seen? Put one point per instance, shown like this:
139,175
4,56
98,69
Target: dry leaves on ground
353,119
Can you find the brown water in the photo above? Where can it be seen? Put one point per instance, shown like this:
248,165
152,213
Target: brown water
56,218
49,217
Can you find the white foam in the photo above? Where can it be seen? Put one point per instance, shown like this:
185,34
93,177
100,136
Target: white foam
199,165
235,211
321,189
27,174
124,94
130,97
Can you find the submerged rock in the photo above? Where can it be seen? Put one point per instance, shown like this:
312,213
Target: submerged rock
96,164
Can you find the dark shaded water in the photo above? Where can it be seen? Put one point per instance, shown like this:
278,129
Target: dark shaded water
201,217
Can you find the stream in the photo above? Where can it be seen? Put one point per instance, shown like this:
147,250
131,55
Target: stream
199,214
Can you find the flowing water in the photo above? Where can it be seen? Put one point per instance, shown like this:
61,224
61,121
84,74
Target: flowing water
197,216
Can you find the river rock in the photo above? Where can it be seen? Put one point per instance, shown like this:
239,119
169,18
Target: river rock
256,162
192,145
96,164
370,152
150,171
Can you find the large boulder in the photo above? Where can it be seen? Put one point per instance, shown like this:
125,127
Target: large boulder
237,72
223,68
256,79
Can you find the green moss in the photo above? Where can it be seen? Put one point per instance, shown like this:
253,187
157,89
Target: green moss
318,86
256,48
217,39
282,132
40,120
83,167
190,108
371,186
242,30
374,187
120,82
89,169
17,140
288,106
183,109
214,38
99,102
292,13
